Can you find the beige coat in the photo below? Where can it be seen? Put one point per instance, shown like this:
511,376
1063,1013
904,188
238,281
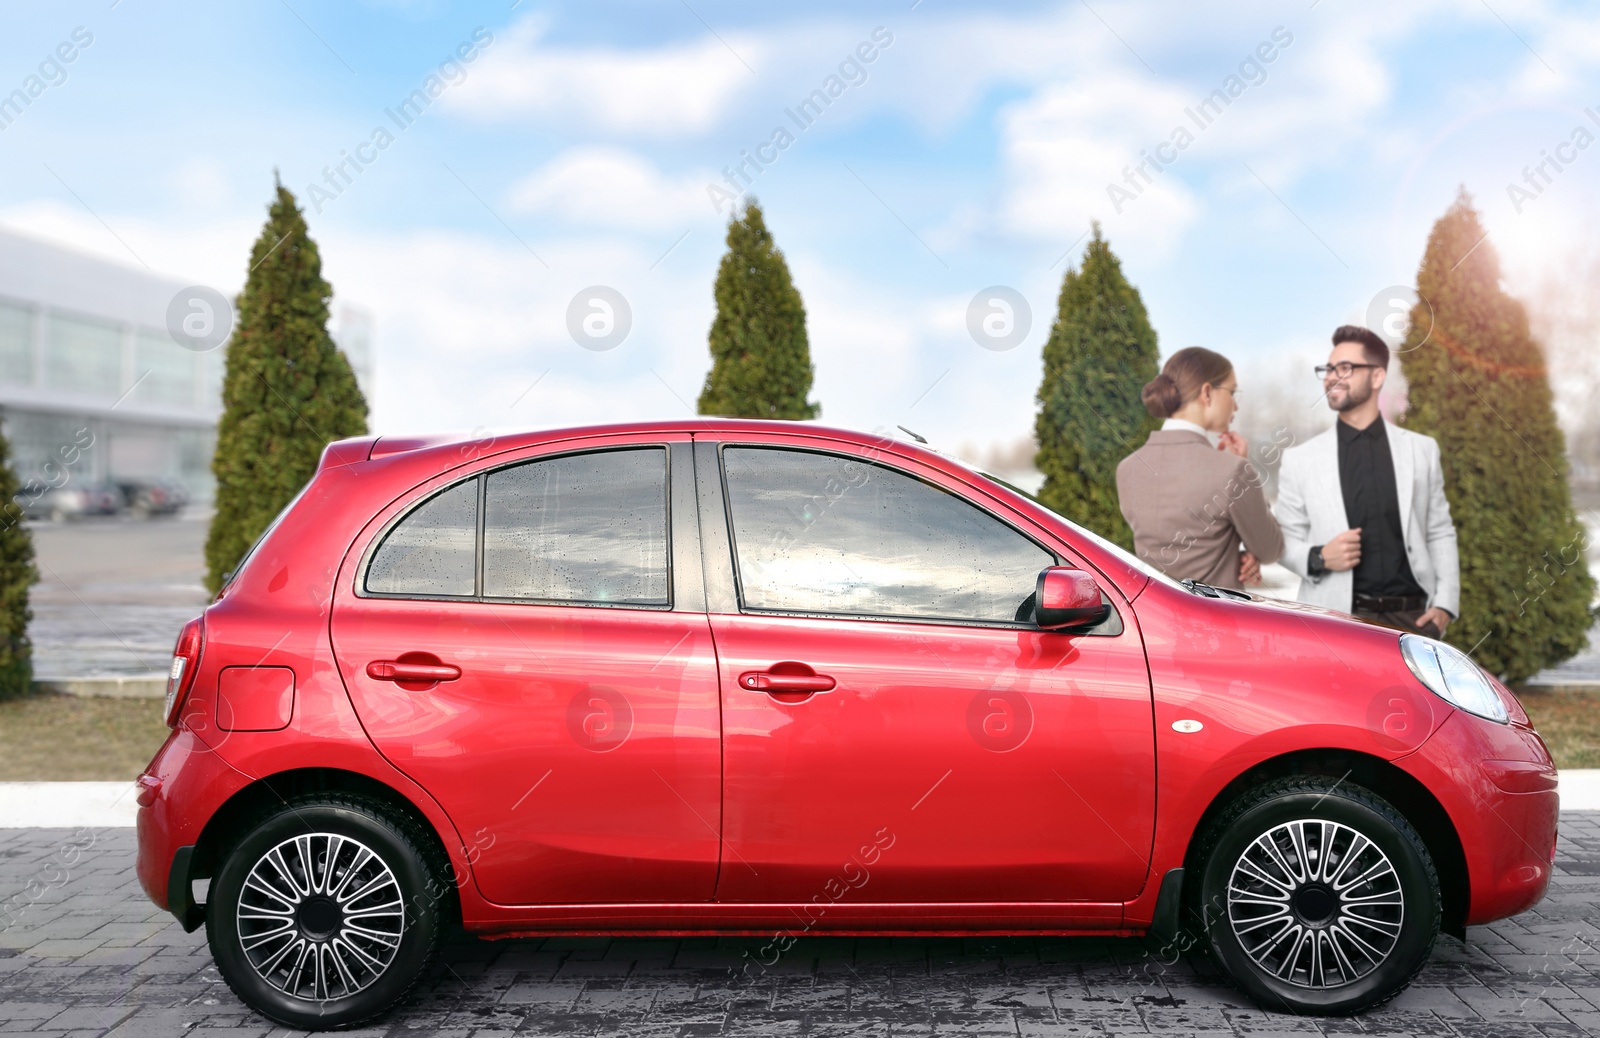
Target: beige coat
1190,505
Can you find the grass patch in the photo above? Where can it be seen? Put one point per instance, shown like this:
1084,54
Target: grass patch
1570,724
58,738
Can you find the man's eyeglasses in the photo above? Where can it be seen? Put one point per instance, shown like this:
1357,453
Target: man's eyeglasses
1344,369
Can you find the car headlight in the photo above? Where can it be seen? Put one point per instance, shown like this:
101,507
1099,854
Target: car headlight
1452,676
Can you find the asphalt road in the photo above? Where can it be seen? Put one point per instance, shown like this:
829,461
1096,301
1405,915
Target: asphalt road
83,953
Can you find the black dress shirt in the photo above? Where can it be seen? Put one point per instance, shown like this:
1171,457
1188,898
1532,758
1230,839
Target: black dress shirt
1372,503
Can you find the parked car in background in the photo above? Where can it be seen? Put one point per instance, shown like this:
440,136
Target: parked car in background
723,676
153,497
56,504
105,499
70,501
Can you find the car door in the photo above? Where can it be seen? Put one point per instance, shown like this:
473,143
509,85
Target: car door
895,728
529,643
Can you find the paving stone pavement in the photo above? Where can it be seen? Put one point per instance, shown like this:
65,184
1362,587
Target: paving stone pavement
83,953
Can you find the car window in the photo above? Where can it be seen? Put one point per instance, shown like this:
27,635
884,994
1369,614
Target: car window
579,528
433,551
1116,551
826,533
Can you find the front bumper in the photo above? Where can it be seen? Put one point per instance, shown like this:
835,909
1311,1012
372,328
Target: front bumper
1497,784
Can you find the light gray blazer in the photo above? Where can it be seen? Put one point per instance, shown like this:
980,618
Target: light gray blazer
1310,509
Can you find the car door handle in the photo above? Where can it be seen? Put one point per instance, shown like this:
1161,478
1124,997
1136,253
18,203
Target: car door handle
398,670
787,682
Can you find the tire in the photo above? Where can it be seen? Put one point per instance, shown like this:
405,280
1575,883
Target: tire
352,940
1282,915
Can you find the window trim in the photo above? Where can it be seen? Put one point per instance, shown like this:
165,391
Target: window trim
1111,626
482,476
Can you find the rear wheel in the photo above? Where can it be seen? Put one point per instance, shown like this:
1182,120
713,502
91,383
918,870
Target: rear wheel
327,911
1317,896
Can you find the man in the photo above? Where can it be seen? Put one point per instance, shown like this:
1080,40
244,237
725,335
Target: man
1364,516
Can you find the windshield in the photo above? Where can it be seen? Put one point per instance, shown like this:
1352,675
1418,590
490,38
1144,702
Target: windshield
1116,551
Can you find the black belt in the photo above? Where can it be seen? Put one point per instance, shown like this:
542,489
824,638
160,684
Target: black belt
1392,603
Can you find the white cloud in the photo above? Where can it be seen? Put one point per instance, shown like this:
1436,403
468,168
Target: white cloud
1561,49
611,187
1067,151
1073,150
214,253
657,92
923,66
202,182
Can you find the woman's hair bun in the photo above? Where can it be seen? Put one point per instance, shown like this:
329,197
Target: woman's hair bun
1161,396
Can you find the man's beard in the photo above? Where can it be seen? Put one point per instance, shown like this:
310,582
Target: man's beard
1352,398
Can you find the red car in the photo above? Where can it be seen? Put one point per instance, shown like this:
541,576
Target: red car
769,678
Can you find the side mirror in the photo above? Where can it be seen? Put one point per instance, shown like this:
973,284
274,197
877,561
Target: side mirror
1067,597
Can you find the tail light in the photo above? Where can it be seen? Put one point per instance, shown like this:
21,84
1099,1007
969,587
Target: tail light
185,661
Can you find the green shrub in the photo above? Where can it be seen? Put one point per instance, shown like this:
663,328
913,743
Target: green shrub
17,575
760,357
1478,385
1100,353
288,391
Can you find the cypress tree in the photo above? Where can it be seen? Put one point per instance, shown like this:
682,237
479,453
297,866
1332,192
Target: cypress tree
1478,385
17,574
1100,353
760,358
287,392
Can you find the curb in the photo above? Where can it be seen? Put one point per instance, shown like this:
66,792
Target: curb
67,805
116,686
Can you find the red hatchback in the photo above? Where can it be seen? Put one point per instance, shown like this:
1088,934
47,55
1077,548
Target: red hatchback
768,678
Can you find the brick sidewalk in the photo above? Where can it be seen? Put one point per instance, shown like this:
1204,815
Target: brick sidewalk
83,953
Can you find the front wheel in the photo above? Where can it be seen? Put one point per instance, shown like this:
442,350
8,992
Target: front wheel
327,911
1317,896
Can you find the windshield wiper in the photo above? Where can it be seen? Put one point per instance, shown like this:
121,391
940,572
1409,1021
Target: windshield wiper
1217,592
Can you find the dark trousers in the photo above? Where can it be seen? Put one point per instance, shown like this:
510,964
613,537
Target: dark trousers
1404,621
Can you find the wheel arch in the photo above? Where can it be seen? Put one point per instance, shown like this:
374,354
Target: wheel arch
231,820
1408,795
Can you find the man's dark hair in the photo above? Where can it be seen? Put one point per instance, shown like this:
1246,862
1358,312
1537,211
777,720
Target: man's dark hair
1373,348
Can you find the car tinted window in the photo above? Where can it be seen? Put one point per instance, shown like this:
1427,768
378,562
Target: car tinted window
832,534
433,551
579,528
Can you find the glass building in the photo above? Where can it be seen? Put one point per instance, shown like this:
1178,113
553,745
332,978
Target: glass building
84,346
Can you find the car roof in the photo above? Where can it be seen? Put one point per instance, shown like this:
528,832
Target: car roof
373,448
418,454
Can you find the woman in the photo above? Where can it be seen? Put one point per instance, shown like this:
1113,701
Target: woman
1190,494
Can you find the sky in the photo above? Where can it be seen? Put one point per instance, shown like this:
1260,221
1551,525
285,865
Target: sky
579,151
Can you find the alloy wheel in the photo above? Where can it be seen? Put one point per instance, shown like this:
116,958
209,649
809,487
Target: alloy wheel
320,917
1315,903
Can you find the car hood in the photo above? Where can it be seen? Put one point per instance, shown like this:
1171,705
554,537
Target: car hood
1323,611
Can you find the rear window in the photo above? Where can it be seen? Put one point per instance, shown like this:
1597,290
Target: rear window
434,550
581,529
